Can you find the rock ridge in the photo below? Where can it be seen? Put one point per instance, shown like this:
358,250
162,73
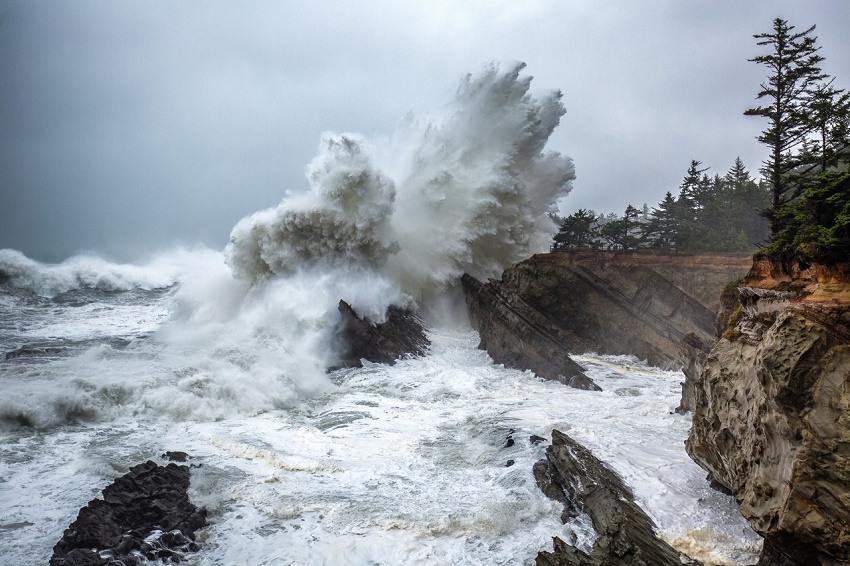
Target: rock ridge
626,535
144,515
553,304
401,334
519,337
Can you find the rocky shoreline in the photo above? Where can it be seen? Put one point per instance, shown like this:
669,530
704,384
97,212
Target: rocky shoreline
767,366
767,381
144,515
772,410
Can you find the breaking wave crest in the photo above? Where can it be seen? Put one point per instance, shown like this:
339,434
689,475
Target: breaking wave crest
467,190
92,272
394,221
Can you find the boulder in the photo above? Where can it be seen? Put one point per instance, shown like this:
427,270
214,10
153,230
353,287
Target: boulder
145,513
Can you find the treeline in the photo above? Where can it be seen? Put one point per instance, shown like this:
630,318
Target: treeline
808,137
710,214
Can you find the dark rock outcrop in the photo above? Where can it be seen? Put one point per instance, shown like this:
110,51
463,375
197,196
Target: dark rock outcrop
626,537
772,416
519,337
144,514
617,303
693,351
402,334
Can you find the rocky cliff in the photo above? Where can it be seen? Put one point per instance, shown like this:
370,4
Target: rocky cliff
607,302
772,410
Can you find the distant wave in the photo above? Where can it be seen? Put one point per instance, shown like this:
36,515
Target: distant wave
92,272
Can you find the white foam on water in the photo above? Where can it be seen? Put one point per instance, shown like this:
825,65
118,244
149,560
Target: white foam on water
401,464
380,465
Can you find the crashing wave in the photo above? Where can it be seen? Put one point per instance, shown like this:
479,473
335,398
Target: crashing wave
468,190
78,272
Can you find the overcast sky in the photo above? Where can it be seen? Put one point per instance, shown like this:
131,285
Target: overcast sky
127,127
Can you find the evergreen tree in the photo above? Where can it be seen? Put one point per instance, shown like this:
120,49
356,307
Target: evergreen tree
794,71
828,112
663,228
817,225
624,233
578,230
695,186
738,175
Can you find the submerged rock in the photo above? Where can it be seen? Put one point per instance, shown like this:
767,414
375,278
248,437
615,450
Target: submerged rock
772,411
402,334
144,514
626,537
518,337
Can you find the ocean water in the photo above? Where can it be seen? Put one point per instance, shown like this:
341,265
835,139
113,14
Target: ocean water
403,464
223,355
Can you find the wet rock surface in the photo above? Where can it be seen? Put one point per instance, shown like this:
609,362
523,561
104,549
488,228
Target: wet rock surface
693,352
402,334
626,537
145,514
519,337
772,412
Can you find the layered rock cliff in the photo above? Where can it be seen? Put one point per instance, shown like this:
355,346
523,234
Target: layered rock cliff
606,302
772,410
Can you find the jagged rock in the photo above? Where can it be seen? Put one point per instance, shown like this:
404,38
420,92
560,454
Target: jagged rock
145,513
359,338
693,352
772,417
519,337
572,475
616,303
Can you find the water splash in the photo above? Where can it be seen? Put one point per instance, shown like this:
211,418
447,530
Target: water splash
394,221
465,190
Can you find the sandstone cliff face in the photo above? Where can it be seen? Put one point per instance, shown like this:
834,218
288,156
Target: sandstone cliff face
772,411
616,303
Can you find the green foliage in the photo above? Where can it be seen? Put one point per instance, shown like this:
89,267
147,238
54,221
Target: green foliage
816,226
719,214
794,66
732,285
578,230
808,135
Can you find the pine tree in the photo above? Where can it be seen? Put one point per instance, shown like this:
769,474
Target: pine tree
578,230
624,233
738,175
829,116
695,185
794,71
663,228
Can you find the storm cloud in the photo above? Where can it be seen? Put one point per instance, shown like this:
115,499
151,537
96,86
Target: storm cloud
127,127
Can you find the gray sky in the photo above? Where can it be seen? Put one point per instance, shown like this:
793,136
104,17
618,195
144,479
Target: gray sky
126,127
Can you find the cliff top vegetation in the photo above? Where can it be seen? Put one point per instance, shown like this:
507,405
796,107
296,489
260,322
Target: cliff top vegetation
798,209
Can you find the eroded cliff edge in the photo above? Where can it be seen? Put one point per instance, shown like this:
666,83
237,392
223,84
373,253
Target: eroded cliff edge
772,410
607,302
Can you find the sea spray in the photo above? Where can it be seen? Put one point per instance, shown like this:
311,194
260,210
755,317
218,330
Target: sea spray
393,221
465,190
